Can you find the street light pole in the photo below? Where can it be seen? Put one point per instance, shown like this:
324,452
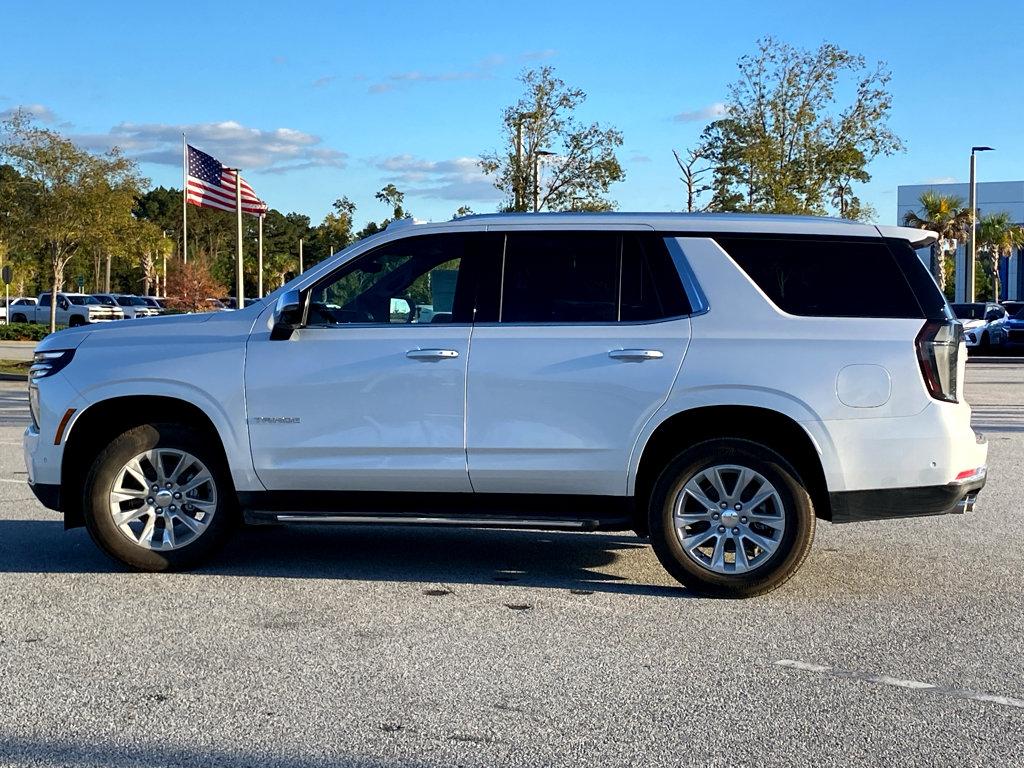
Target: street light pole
519,165
972,236
537,155
520,188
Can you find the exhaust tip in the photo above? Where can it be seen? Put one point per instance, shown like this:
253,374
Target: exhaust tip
966,504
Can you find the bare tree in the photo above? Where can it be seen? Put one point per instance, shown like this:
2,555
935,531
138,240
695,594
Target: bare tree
693,177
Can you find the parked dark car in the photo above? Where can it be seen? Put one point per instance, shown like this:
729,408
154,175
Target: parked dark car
1013,306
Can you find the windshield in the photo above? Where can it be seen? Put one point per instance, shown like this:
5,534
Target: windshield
969,311
83,300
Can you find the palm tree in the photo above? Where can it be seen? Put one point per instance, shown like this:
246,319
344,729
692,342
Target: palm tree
998,235
946,216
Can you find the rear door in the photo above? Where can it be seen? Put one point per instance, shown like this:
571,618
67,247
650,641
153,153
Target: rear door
586,338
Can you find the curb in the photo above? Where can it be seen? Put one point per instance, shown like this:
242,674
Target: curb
1003,359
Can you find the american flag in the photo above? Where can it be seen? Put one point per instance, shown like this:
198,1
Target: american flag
212,185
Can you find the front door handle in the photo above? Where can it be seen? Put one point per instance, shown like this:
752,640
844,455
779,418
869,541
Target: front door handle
636,355
432,354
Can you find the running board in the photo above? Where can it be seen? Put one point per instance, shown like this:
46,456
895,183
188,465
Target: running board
264,517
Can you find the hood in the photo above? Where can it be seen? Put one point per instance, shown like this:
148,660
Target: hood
72,338
970,323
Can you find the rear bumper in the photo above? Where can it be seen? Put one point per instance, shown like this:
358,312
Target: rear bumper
912,502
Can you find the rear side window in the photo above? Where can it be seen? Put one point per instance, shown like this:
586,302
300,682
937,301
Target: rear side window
588,277
560,277
827,278
651,288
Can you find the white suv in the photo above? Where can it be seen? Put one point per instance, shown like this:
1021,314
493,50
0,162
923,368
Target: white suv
713,382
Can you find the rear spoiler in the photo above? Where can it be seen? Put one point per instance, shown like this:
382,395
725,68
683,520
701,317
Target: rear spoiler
917,238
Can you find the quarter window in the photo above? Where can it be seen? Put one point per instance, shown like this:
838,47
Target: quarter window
831,278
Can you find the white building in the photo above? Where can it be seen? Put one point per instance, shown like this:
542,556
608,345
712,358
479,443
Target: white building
993,197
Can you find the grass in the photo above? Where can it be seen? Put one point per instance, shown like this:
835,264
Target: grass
19,367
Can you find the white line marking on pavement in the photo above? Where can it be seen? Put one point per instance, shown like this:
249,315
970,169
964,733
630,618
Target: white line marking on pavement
966,694
13,480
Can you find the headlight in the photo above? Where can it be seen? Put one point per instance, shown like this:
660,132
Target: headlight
33,404
48,363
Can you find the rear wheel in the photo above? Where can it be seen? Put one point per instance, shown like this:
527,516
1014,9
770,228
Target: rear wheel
19,318
158,498
730,517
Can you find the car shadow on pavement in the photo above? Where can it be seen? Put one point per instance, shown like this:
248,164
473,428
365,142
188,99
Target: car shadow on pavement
29,751
565,560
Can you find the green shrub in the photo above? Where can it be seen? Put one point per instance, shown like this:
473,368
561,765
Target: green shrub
24,332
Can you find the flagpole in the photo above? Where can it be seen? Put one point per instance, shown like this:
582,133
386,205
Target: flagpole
240,277
259,280
184,200
300,256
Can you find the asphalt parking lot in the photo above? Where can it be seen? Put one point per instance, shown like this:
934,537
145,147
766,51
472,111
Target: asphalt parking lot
900,642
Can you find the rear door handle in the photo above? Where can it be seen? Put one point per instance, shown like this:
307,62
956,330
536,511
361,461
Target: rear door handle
636,355
432,354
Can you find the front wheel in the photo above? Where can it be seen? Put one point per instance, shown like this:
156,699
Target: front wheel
731,518
159,498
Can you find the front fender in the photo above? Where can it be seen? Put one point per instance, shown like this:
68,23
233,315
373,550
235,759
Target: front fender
226,411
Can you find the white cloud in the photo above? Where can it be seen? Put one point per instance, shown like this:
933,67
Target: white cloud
454,179
404,79
710,112
275,150
546,53
37,111
482,70
941,180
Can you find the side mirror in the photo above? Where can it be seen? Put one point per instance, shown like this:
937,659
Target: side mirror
287,315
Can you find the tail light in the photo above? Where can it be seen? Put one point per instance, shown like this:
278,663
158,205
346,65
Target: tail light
938,353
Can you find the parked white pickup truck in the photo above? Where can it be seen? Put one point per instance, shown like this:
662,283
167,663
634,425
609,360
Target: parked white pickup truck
72,310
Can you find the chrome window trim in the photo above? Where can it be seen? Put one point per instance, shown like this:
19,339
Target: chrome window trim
694,293
341,326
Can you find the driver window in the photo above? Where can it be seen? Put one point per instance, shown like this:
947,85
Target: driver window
412,280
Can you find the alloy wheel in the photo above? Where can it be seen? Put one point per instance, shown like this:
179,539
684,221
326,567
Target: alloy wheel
729,519
163,499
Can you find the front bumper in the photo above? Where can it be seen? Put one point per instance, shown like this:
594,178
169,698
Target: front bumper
912,502
48,494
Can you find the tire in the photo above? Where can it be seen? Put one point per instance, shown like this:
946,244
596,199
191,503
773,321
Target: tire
783,522
76,320
19,318
184,546
986,344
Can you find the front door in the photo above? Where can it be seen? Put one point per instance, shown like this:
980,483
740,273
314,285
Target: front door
369,394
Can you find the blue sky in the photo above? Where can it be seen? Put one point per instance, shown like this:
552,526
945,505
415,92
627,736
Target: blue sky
321,99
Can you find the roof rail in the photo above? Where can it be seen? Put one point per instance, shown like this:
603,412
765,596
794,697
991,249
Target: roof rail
397,224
